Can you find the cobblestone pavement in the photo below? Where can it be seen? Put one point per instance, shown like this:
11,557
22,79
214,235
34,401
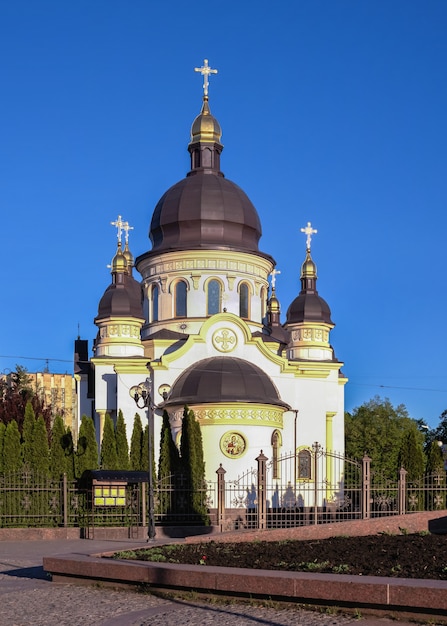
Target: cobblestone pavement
28,598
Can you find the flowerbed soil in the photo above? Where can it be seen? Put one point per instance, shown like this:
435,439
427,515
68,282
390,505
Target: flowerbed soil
402,556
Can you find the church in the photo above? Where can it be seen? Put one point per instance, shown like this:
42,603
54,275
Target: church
197,320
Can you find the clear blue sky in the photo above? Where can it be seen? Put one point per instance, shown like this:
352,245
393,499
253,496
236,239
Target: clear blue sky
332,111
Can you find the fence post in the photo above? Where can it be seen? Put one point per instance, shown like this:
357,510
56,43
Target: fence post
221,497
65,499
402,490
366,487
317,450
262,490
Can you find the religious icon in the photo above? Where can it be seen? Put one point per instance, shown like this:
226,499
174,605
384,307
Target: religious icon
233,444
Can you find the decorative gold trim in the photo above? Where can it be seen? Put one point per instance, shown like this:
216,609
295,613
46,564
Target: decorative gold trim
240,414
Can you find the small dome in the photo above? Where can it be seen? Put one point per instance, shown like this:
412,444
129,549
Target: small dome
129,257
119,262
224,379
308,268
309,307
205,127
121,300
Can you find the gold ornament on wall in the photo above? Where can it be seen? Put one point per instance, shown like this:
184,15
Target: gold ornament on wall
233,444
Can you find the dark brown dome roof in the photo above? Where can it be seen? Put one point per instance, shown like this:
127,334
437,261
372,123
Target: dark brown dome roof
122,299
205,210
309,307
224,379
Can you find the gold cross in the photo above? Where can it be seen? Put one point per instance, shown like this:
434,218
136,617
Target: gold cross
119,225
126,229
309,231
205,70
273,274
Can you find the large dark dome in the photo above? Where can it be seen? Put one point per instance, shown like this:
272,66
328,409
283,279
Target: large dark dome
224,379
309,307
205,210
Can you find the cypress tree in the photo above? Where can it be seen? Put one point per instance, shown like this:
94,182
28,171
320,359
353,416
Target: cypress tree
435,462
57,452
122,446
69,451
109,457
168,467
29,422
40,462
136,444
193,465
169,459
435,478
12,457
411,455
87,451
2,439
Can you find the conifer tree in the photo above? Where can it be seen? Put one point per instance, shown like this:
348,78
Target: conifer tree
169,459
122,446
411,454
136,444
109,457
145,450
12,457
29,422
2,439
168,466
435,462
40,461
193,465
70,457
57,452
87,451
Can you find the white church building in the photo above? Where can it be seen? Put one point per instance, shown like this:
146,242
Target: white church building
197,315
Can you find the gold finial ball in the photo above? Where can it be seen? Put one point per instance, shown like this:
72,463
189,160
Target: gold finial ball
205,127
119,262
308,268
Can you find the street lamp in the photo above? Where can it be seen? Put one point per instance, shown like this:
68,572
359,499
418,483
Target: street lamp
142,395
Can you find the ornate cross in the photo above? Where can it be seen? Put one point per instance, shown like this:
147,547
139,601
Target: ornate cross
273,274
205,70
119,226
126,229
309,231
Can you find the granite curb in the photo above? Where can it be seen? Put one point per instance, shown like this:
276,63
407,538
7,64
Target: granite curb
412,596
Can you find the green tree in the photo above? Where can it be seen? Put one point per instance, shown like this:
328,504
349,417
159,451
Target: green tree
58,465
411,454
122,446
29,423
40,461
15,392
378,429
12,457
87,450
435,461
168,466
2,439
193,465
70,456
136,444
109,457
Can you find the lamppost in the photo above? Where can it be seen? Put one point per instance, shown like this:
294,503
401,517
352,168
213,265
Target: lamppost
142,395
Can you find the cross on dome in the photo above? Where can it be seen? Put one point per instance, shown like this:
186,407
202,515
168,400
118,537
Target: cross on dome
119,224
126,229
205,70
273,274
309,231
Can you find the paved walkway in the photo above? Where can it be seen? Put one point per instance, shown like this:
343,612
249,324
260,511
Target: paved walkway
28,598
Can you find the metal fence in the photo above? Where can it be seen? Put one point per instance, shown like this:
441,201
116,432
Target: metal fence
283,492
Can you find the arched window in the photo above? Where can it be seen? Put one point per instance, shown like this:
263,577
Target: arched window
213,297
304,464
276,445
180,299
243,301
154,303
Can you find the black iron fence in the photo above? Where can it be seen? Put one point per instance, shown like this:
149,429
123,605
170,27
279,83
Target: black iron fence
279,493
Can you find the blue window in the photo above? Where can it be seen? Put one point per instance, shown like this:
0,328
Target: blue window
214,297
180,299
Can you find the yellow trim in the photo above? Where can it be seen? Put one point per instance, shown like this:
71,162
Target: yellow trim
232,413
